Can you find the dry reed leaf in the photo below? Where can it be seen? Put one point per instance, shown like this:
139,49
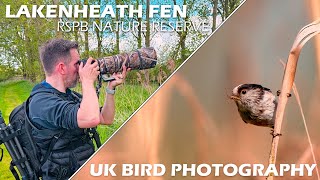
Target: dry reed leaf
139,78
296,93
171,65
305,34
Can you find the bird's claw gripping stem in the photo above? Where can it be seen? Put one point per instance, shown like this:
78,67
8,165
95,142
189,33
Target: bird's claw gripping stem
279,92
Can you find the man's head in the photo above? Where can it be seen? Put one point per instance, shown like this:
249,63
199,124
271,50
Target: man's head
59,57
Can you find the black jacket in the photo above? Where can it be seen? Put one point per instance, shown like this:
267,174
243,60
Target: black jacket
54,114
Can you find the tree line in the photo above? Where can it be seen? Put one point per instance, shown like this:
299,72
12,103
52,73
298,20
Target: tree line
20,38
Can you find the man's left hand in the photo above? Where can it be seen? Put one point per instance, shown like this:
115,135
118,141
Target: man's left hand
119,77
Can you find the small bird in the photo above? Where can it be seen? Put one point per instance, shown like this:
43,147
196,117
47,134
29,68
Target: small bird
256,104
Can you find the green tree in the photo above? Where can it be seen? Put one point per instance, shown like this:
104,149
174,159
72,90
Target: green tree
227,7
20,38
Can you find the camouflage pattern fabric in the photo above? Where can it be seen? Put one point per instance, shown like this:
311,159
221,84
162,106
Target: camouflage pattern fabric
144,58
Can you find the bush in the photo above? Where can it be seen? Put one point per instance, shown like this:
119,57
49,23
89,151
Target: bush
6,72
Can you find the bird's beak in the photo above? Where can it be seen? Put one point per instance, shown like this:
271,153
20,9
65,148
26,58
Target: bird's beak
234,97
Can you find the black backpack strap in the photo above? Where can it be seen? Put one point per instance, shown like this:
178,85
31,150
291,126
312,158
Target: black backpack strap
95,135
47,132
52,143
28,125
26,110
78,98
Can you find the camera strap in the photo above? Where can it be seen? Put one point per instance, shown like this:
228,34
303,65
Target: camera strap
127,61
99,84
141,61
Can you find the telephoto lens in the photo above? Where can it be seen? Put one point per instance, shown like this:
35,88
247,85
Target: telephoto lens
144,58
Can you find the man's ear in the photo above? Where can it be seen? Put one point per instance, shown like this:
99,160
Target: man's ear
61,68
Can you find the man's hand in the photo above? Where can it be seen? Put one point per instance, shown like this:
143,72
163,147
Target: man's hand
89,72
108,109
88,114
119,77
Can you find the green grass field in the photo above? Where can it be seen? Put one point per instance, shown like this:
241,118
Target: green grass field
128,99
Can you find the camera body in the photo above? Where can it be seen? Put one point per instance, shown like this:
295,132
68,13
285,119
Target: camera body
144,58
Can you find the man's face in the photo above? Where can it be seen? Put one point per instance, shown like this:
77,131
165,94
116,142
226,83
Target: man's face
72,75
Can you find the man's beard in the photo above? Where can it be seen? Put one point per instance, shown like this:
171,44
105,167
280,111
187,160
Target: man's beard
71,83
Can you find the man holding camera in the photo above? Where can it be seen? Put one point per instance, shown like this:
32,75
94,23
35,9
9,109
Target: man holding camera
60,116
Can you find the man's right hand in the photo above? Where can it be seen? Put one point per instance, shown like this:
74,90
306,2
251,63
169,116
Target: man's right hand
89,112
89,72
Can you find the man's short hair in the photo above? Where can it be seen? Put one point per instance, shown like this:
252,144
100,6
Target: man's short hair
53,51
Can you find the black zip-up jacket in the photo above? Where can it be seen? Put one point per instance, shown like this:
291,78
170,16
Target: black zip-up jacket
57,112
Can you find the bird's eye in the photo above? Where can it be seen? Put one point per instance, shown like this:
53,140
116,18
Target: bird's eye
243,92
